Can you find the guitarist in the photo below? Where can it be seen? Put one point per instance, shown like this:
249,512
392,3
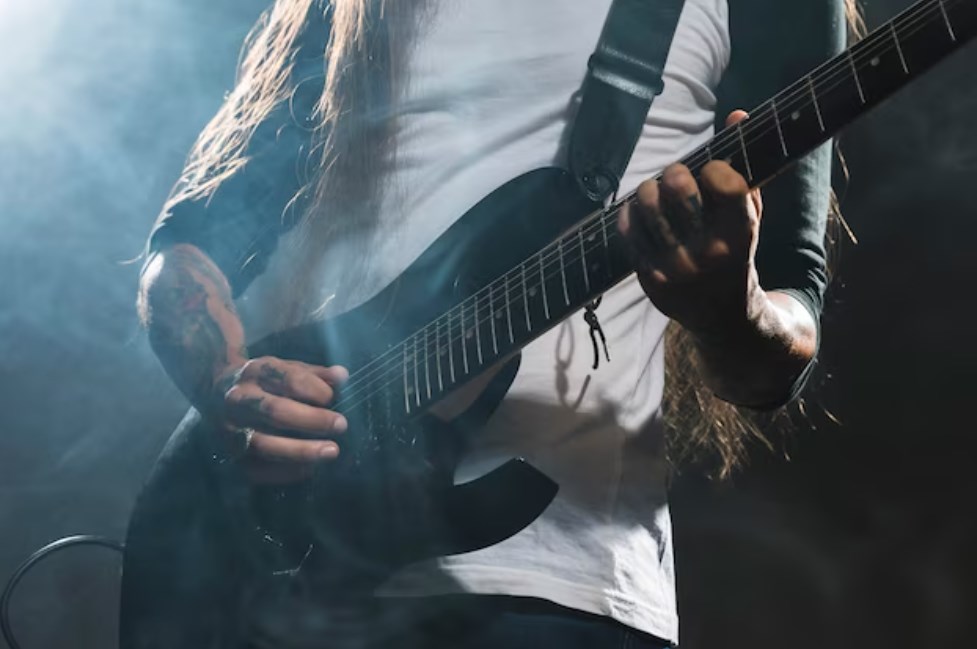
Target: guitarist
355,135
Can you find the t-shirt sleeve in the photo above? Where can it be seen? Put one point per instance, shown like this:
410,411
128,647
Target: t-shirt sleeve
239,224
774,43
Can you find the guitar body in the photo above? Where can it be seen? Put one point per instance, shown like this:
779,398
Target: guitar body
206,552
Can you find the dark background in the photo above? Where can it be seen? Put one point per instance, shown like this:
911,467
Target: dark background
860,539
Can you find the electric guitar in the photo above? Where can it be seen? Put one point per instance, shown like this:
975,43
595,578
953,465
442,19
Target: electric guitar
204,547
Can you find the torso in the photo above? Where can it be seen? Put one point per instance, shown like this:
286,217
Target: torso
490,95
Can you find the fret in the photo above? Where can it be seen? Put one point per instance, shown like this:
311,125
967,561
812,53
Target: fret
464,340
854,74
799,121
765,142
746,158
492,318
417,376
438,352
895,39
542,283
583,260
946,19
451,351
924,39
508,310
525,297
406,382
880,67
427,363
780,130
817,104
963,16
563,271
478,331
838,97
726,146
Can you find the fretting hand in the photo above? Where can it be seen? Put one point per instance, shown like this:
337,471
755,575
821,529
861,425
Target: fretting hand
694,245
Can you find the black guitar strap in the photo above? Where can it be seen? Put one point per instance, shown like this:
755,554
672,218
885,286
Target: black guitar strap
624,76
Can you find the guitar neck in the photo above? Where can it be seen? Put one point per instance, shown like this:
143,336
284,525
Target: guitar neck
590,259
816,107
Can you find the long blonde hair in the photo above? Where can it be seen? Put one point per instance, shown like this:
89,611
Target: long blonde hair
360,72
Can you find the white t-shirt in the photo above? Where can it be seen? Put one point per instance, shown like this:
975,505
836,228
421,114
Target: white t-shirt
490,95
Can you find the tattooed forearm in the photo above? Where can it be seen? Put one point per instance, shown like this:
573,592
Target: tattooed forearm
191,321
190,332
192,260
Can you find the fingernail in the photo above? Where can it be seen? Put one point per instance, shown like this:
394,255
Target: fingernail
340,424
329,450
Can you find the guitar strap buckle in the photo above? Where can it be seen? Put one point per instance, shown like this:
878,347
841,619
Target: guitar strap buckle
590,317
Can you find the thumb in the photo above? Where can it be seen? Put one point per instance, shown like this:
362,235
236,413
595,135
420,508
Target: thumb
736,116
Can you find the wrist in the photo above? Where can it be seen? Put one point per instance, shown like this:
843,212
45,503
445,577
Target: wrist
211,397
745,319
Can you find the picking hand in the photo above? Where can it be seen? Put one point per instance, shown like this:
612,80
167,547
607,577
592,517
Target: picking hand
268,397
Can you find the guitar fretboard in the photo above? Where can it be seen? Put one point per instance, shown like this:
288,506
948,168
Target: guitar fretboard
589,259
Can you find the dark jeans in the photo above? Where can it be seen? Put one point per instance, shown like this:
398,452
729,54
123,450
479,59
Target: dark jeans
465,622
522,623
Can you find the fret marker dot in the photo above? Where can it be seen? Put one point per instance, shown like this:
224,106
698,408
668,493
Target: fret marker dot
498,315
468,334
591,238
874,62
796,115
532,292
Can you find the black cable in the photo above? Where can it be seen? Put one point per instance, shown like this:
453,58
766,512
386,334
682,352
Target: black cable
60,544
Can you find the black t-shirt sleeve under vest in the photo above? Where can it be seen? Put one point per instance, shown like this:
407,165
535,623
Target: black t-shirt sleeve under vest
775,43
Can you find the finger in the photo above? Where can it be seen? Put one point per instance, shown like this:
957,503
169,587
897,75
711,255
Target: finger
645,222
280,460
644,251
681,201
335,375
654,265
287,379
247,404
273,448
671,258
728,197
723,185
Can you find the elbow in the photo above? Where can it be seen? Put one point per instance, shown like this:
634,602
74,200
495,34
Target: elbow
148,279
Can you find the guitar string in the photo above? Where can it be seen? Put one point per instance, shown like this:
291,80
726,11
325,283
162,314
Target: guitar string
439,350
546,259
426,330
728,138
880,41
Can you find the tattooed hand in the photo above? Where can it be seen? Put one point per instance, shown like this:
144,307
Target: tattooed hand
186,304
694,245
272,396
